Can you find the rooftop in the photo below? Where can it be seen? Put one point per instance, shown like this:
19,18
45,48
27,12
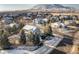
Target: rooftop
29,27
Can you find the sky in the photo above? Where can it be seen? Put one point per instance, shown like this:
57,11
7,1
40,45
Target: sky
7,7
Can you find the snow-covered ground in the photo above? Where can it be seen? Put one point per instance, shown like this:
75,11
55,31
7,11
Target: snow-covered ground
41,50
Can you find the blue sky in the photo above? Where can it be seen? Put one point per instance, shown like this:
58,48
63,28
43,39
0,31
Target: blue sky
4,7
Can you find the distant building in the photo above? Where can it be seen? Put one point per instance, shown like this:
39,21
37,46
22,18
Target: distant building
14,24
8,19
40,20
57,25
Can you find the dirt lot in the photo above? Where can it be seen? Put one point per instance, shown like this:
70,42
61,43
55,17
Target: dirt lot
63,47
69,45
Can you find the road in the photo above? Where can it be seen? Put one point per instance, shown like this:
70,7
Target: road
49,45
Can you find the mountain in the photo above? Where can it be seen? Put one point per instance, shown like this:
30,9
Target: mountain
50,6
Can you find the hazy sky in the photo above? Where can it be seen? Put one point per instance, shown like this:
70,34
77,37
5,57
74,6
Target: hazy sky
4,7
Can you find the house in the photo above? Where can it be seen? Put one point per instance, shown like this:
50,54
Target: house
40,20
57,25
8,19
54,18
69,22
43,25
31,28
14,24
32,34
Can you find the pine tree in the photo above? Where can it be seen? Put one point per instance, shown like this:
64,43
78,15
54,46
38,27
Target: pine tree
36,39
21,25
4,43
23,37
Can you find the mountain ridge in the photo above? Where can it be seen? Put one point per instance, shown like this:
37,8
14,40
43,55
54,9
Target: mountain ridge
51,6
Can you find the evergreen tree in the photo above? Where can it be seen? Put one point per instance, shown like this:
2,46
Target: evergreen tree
14,29
4,43
23,37
21,25
50,30
36,39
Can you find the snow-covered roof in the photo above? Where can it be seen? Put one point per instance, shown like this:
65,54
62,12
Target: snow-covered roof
26,17
12,24
45,19
8,18
3,21
14,36
29,27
